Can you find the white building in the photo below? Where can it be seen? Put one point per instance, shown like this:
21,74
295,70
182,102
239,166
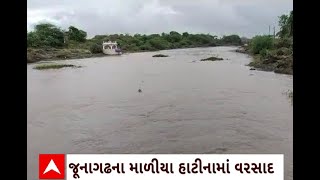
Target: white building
111,48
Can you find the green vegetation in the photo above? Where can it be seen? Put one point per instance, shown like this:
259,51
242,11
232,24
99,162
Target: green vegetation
37,54
45,35
289,94
212,59
54,66
160,55
95,49
154,42
49,39
231,40
286,25
260,44
76,34
274,53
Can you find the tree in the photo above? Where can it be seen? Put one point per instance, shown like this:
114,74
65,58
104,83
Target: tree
286,25
185,34
76,34
290,24
32,39
46,34
232,40
283,26
174,37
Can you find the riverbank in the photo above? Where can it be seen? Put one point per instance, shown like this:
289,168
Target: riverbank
281,64
35,55
49,54
278,60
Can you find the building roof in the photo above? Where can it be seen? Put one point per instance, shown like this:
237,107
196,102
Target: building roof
110,43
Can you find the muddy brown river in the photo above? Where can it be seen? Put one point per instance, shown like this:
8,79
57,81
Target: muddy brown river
186,106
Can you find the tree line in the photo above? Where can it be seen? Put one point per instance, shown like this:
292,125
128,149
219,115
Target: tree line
49,35
46,35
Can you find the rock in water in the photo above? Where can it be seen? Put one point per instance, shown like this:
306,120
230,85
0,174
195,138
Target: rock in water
139,90
160,55
212,59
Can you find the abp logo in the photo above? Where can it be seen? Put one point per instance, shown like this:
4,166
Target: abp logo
51,166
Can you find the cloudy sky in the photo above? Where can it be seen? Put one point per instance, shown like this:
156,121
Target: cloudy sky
217,17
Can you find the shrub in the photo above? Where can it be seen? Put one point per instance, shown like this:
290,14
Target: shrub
95,49
263,52
284,42
259,43
232,40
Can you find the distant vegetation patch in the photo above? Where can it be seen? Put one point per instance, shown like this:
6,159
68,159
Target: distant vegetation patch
289,94
160,55
50,42
54,66
212,59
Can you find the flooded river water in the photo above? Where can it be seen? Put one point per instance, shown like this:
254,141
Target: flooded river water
186,106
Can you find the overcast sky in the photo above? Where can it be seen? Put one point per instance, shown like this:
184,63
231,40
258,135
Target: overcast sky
217,17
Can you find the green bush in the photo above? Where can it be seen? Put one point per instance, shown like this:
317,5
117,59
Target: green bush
45,35
159,43
96,49
232,40
146,47
259,43
283,42
263,52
